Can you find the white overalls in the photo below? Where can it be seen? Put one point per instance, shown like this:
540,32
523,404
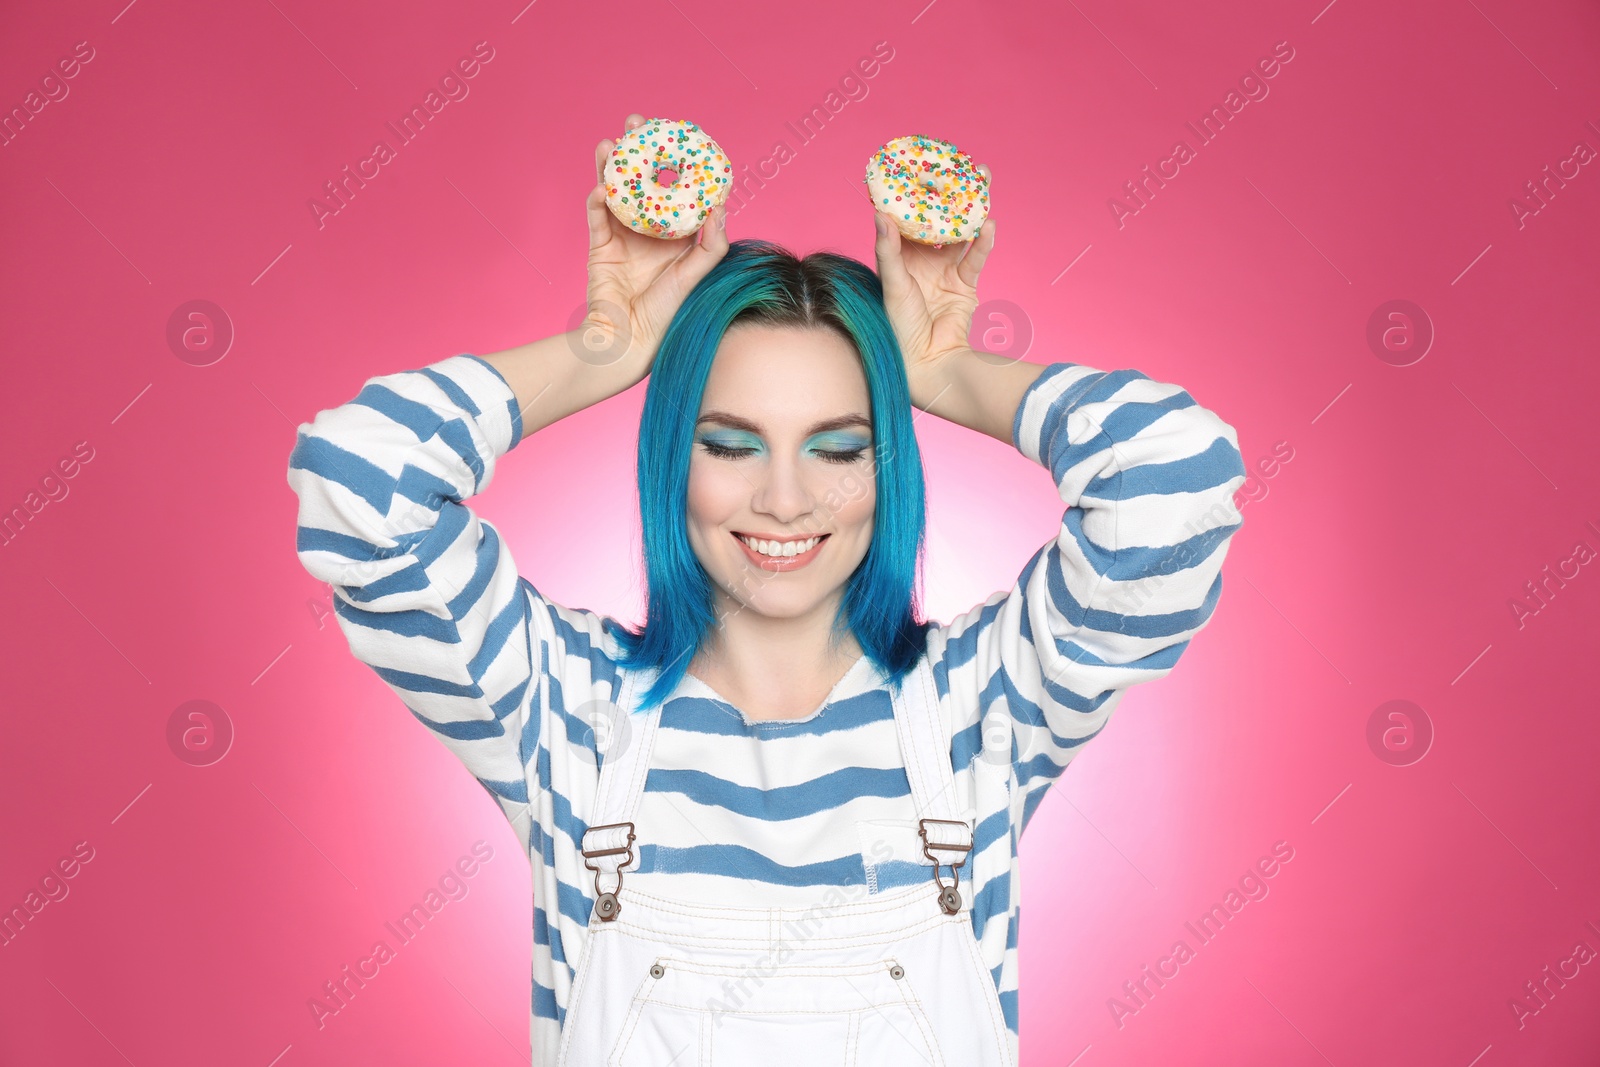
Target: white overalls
883,979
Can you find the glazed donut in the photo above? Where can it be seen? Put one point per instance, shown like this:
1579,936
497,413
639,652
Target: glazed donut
935,191
700,178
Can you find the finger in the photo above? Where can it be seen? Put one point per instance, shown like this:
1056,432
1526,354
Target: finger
977,254
633,122
602,152
715,228
891,259
599,216
703,253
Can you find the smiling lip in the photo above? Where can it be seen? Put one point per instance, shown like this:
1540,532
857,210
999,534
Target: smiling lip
781,563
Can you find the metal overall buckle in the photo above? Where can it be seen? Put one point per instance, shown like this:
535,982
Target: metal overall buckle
605,904
949,895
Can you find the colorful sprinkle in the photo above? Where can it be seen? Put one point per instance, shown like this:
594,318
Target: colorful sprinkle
640,200
947,194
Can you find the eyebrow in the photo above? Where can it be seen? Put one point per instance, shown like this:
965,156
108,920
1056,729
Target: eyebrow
738,423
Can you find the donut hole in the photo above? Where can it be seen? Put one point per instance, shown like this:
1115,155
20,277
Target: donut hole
666,176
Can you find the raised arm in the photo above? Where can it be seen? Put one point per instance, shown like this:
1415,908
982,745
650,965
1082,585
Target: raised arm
426,592
1135,571
1115,598
636,283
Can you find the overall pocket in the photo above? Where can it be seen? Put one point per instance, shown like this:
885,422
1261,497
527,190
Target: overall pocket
688,1012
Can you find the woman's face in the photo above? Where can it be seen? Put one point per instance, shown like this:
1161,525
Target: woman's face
782,452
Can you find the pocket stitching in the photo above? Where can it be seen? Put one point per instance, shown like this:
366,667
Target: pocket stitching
814,944
644,995
991,998
575,999
919,1015
630,1025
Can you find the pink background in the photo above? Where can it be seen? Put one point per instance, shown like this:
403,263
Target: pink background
1379,563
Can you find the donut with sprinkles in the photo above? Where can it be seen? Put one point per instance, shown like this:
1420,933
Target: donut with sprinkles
663,178
935,191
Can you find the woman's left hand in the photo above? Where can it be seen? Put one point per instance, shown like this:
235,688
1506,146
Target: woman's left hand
930,295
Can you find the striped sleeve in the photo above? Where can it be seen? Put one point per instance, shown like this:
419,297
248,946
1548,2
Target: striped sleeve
1148,476
427,593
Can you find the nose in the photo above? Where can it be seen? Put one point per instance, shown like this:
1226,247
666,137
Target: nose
781,491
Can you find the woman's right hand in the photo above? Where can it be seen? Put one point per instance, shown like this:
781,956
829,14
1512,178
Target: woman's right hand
637,282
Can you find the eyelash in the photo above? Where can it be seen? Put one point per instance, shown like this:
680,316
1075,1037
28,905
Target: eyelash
723,452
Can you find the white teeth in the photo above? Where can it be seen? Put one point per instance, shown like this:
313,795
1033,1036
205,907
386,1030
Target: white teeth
781,548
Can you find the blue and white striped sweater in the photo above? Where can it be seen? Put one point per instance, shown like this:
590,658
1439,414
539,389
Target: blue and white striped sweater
767,813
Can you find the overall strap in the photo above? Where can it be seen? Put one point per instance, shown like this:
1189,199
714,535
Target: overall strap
944,817
624,752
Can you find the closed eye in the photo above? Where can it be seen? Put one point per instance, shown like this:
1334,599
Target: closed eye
724,452
827,455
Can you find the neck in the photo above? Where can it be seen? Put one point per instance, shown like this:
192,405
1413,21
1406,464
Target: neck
774,667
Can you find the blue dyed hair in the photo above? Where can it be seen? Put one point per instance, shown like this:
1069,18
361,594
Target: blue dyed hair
763,283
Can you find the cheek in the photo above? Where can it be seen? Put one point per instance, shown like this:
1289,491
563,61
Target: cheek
715,492
852,497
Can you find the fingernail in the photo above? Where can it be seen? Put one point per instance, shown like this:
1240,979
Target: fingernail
722,217
880,222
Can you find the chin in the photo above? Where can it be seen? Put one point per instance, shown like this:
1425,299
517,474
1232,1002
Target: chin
781,598
780,603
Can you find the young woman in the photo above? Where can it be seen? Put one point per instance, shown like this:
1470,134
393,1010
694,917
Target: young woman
779,819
